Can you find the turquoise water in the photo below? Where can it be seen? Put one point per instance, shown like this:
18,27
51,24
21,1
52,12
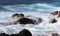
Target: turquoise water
38,7
34,10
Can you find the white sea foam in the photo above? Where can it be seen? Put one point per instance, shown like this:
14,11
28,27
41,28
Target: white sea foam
42,29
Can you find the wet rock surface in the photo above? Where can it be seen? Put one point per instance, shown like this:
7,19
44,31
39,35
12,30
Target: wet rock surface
24,32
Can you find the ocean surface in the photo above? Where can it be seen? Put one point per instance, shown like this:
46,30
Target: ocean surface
37,10
42,29
38,7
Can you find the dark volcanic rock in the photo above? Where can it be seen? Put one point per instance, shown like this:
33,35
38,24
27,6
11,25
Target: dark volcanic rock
24,32
55,13
55,34
3,34
13,35
54,21
14,15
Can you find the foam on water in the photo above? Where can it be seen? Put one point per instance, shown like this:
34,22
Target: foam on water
42,29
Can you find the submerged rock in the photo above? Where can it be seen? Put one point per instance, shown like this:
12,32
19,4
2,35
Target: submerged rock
40,20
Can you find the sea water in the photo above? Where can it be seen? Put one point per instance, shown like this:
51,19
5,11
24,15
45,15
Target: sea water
35,11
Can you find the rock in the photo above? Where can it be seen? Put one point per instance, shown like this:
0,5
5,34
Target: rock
54,13
53,21
3,34
13,35
40,20
15,15
59,14
25,21
55,34
25,32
